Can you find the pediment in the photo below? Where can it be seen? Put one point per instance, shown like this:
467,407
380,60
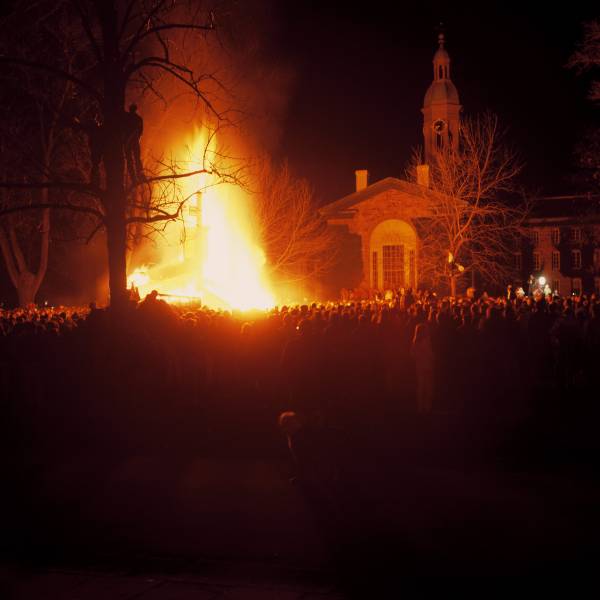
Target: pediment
392,194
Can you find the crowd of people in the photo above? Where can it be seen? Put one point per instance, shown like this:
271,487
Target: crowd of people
191,373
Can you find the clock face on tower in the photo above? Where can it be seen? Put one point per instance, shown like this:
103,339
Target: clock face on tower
439,126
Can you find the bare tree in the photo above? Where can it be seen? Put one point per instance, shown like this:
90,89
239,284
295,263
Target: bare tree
14,229
586,58
32,140
296,241
587,55
118,49
471,228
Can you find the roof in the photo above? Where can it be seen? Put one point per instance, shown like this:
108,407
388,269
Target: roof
582,206
379,187
441,56
441,91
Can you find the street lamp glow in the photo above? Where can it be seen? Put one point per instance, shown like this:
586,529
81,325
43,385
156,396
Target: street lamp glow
542,280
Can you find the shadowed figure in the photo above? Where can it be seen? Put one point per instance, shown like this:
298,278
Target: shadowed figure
422,353
133,127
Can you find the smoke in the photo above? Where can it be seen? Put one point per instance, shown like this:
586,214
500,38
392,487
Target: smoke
245,90
245,87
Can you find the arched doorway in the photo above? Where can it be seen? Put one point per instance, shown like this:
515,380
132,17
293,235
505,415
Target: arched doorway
393,255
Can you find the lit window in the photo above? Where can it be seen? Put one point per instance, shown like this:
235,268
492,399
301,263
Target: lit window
556,261
556,286
556,236
393,267
576,234
576,286
576,259
535,237
375,271
537,261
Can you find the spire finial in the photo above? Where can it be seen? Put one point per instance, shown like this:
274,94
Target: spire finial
441,36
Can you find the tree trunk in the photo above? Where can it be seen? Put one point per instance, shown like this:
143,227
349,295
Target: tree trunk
453,286
114,157
116,240
25,282
26,289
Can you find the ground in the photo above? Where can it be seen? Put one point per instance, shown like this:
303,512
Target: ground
177,525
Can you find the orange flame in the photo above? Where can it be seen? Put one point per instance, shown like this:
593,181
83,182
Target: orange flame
211,253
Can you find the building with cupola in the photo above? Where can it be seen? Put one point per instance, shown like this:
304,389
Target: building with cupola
377,225
441,106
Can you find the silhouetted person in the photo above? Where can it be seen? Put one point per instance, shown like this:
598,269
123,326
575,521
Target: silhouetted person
422,354
530,285
132,132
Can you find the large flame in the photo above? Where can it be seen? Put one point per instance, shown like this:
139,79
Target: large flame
210,255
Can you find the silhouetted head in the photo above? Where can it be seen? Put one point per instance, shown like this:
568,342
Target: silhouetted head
304,327
289,422
421,333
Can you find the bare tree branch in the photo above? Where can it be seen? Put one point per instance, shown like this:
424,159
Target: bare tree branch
8,210
8,60
470,227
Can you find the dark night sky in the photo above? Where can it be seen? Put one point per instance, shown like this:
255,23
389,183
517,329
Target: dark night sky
361,74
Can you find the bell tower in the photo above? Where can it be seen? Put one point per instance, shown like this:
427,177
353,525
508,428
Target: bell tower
441,106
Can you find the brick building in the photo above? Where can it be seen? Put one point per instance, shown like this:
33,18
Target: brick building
562,244
377,224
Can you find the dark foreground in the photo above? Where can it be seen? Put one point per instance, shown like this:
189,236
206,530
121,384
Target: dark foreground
150,451
420,508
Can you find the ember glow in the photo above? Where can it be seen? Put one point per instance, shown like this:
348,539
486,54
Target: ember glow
210,254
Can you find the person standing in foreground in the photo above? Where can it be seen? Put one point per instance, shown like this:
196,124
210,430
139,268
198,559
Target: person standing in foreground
422,353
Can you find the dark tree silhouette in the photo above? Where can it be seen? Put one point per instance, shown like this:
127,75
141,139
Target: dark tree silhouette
586,58
112,51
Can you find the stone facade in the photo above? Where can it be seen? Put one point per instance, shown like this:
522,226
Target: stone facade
378,234
383,217
378,224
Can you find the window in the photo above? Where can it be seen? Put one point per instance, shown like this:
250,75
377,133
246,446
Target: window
412,281
556,286
439,140
393,267
576,234
576,286
556,236
518,262
556,261
537,261
576,259
535,237
375,271
596,258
